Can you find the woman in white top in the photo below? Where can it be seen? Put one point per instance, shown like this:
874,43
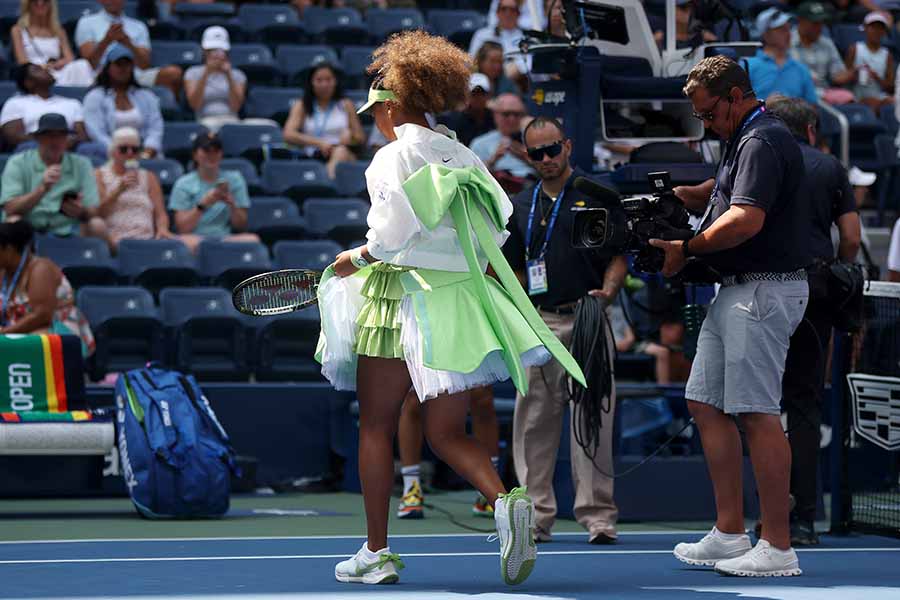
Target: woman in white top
508,34
413,307
324,122
131,199
873,64
38,38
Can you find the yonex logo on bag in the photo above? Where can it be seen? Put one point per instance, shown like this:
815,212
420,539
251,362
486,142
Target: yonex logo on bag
167,418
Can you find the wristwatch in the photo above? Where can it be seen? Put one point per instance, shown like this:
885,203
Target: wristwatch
200,207
685,250
358,260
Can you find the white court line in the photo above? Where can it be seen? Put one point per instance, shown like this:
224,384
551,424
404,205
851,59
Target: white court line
405,555
329,537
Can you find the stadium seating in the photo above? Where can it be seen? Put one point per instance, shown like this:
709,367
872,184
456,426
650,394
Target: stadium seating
253,142
271,23
72,10
9,14
75,93
167,169
307,254
178,139
864,126
168,105
207,334
271,102
355,59
334,26
350,178
247,171
458,26
84,260
286,347
275,218
888,116
256,62
7,90
183,54
126,327
228,263
298,179
296,60
384,22
340,219
155,264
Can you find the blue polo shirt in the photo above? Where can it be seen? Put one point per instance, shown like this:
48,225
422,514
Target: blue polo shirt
215,221
790,79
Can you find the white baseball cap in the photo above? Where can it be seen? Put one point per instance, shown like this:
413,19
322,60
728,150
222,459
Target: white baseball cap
480,80
215,38
771,18
876,17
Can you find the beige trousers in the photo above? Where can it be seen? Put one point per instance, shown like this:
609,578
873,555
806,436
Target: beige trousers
537,424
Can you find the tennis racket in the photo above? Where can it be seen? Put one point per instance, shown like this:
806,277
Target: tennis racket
276,292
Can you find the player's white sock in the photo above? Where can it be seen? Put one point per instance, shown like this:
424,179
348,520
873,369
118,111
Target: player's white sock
410,476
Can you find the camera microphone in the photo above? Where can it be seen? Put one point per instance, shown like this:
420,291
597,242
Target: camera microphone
606,195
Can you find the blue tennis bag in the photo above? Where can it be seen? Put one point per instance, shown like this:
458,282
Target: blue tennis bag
175,456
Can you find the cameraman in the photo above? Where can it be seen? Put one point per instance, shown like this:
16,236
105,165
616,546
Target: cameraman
755,232
804,374
556,275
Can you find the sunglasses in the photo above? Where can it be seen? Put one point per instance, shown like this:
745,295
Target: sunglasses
708,115
551,150
127,149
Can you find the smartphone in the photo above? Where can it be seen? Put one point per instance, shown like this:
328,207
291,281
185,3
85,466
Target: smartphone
69,195
223,187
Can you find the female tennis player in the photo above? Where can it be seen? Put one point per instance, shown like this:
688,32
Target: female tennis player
413,306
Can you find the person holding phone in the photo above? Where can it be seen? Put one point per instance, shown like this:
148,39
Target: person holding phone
210,202
50,187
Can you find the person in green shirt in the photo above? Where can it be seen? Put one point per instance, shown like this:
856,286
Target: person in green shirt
53,189
210,202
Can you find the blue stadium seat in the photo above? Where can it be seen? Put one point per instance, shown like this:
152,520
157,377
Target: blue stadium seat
286,347
9,14
305,254
156,264
359,97
355,59
247,170
257,63
384,22
195,17
350,178
340,219
167,170
295,61
275,218
71,10
299,179
889,117
183,54
253,142
168,105
228,263
845,35
334,26
178,138
166,30
68,91
190,10
864,126
84,260
271,102
208,334
126,327
7,90
272,23
458,26
888,175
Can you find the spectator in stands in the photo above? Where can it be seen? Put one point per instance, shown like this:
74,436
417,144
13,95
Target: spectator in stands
39,298
556,24
853,11
526,19
209,202
474,119
215,90
820,55
39,39
131,199
686,35
51,188
873,64
489,60
772,69
506,33
324,122
21,113
627,341
96,32
119,101
502,149
893,262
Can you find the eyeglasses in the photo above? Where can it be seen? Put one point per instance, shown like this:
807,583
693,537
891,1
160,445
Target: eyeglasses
708,115
551,150
127,149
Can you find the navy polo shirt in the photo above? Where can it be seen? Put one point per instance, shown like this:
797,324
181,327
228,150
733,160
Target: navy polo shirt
831,196
763,167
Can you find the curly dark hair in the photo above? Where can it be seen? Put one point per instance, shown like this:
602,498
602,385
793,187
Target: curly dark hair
427,73
18,234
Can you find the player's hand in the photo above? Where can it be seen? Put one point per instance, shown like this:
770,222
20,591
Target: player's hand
343,265
674,261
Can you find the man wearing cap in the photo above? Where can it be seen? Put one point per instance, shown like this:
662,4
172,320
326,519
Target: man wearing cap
475,119
51,188
772,69
210,202
816,51
96,32
214,89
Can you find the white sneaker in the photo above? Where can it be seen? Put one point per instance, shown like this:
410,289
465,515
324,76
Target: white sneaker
514,516
764,560
711,549
360,569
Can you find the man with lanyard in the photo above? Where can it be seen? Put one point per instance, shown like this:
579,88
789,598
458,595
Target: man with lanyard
556,275
756,233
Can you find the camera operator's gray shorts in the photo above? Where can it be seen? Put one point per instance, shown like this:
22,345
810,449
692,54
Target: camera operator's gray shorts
743,345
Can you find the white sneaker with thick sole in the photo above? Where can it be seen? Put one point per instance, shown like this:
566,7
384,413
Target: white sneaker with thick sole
764,560
514,516
711,549
360,569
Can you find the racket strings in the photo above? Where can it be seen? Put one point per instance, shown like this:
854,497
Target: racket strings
278,292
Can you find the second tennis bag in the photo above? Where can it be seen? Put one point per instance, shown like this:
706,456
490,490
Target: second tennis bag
175,456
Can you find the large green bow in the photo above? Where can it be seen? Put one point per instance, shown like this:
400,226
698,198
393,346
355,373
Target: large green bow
468,194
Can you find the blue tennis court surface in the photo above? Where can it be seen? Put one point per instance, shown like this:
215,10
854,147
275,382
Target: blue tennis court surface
439,567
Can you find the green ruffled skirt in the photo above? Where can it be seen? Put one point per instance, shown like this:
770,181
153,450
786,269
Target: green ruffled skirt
379,319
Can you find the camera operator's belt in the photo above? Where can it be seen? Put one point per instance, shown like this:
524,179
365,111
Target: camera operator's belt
562,309
798,275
